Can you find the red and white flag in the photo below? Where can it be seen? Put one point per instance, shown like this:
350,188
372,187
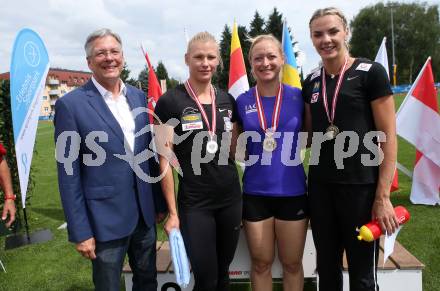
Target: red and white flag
238,81
154,89
418,121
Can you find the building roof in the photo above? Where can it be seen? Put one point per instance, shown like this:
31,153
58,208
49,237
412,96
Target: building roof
70,77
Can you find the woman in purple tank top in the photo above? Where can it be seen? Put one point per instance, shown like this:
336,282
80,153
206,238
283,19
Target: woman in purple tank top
274,188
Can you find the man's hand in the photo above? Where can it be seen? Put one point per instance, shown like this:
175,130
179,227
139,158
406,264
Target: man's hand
383,212
87,248
9,207
172,222
160,216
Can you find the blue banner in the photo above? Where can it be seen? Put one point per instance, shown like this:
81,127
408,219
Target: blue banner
29,68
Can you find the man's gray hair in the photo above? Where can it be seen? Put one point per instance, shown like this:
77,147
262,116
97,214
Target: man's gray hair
98,34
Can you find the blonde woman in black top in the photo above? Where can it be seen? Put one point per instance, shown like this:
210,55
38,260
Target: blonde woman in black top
347,193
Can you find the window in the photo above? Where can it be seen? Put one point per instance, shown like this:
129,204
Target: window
44,97
46,109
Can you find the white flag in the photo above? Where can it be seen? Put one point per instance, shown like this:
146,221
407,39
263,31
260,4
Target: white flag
382,57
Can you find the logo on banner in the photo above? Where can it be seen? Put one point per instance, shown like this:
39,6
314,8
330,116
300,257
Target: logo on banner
31,54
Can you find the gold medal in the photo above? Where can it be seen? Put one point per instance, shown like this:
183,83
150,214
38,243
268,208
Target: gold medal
332,131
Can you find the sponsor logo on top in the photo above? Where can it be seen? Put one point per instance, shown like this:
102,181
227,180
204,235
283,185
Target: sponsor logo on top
250,108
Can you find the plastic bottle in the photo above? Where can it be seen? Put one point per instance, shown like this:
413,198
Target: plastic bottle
372,231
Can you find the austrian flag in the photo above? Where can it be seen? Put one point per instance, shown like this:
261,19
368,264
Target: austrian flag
418,121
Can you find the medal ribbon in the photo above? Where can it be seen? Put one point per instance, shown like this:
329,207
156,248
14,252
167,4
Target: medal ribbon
193,95
276,110
335,94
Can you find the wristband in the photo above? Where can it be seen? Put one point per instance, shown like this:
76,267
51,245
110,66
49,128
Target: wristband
10,197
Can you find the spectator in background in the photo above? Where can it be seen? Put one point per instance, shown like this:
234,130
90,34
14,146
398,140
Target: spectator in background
6,185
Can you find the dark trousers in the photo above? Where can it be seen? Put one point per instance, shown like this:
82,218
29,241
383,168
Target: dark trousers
211,238
336,210
141,249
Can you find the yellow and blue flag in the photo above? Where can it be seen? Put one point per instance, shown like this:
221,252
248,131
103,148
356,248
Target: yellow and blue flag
290,69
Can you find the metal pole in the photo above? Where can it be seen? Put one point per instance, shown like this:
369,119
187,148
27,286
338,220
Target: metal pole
26,225
392,46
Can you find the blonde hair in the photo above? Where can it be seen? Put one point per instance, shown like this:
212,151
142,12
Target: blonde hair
205,36
331,11
255,40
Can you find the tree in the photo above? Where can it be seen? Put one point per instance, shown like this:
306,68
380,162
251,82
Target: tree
161,71
125,74
416,36
132,82
243,35
222,76
162,74
172,83
143,79
7,139
274,24
256,25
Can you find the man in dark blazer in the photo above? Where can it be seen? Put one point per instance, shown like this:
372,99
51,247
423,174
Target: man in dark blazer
102,147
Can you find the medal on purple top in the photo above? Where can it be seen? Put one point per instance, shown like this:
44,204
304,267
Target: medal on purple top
269,142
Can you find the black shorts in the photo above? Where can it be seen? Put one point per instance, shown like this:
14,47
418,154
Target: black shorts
257,208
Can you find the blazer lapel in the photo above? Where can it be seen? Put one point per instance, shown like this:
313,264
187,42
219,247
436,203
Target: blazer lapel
98,103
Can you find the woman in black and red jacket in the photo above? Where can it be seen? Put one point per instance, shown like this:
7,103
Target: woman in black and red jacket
6,186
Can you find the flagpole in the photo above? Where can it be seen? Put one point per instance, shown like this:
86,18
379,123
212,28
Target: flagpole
282,35
146,57
186,34
392,42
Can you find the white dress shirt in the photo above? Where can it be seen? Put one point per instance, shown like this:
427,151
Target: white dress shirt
120,110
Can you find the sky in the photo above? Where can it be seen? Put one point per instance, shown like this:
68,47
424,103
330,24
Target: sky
159,25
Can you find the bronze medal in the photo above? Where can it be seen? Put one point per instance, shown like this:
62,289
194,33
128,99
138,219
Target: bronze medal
332,131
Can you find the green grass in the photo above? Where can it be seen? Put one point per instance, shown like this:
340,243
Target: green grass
55,265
